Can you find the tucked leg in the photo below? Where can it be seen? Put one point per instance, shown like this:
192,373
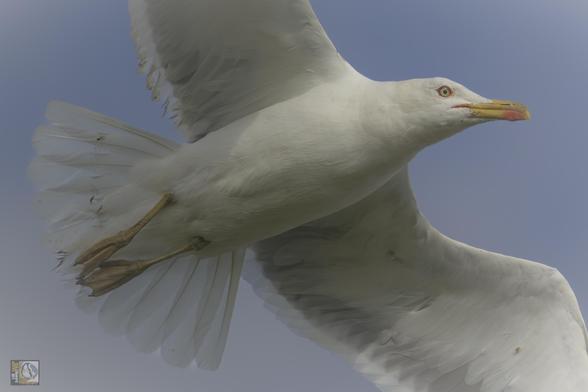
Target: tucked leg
111,274
107,247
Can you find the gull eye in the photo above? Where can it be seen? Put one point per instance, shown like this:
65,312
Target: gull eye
445,91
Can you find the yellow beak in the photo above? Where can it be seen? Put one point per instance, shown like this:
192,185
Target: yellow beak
498,110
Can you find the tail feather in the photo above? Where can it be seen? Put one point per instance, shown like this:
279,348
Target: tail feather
183,306
210,353
82,158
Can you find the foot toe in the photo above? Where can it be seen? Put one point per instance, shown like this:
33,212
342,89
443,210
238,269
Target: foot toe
110,275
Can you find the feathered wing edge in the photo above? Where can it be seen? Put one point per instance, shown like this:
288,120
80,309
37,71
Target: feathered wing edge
415,311
212,63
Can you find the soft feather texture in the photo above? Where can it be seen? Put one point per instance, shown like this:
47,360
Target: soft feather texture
183,306
212,62
418,312
412,309
82,163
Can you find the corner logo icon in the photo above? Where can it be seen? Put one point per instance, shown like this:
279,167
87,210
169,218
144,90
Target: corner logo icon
24,372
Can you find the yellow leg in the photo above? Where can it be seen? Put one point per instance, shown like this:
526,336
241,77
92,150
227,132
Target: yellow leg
111,274
107,247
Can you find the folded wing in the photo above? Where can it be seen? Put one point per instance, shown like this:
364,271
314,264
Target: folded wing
418,312
215,61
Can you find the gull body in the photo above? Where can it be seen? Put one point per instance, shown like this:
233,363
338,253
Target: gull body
265,173
292,153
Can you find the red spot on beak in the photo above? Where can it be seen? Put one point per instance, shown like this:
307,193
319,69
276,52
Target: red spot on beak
514,115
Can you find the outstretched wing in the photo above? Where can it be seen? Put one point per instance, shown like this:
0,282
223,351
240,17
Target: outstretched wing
215,61
418,312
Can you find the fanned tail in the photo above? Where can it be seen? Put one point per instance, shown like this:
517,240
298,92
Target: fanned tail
183,306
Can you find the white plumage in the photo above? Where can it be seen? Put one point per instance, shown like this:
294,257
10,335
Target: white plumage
300,157
416,311
213,62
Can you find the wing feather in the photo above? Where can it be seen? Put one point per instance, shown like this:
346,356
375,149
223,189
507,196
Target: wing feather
416,311
212,62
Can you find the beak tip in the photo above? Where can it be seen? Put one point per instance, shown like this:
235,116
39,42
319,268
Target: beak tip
512,115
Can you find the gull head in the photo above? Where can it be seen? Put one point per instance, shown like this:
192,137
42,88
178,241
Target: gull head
437,108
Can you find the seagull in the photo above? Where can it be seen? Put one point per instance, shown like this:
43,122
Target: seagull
297,162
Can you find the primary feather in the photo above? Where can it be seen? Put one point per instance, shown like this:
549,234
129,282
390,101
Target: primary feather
212,62
416,311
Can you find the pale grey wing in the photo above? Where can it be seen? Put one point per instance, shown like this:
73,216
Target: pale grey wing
215,61
418,312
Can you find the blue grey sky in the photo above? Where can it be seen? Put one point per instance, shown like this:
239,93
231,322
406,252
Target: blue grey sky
519,188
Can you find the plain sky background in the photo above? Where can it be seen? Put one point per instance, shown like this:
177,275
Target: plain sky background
519,188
